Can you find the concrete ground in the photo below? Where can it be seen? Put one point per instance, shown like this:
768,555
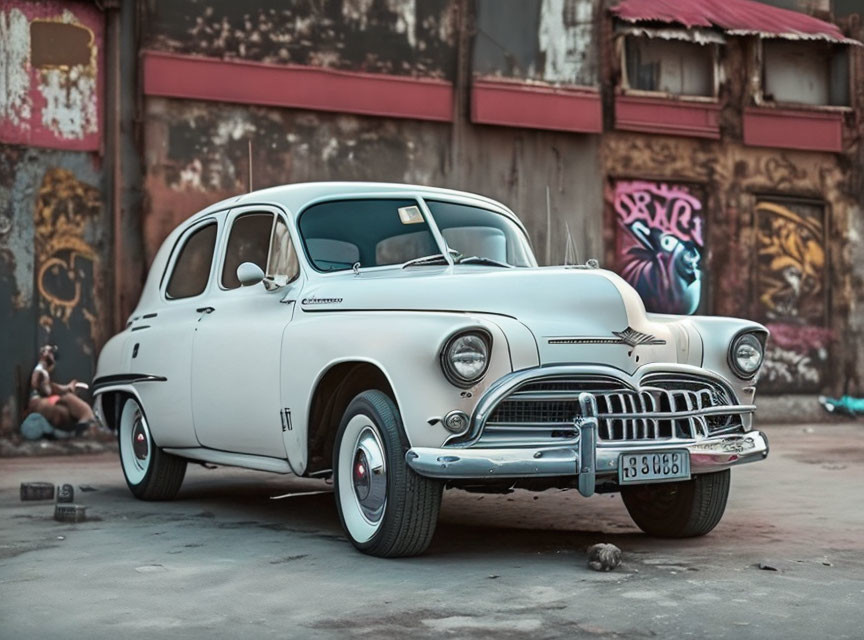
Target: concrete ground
224,560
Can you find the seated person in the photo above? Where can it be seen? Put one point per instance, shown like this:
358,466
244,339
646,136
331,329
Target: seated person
57,402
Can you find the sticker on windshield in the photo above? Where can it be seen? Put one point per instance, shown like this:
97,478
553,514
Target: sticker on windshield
410,215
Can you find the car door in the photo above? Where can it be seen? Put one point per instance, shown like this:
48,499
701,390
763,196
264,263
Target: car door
237,348
160,342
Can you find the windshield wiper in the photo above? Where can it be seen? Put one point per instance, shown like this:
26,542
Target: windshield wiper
434,258
482,260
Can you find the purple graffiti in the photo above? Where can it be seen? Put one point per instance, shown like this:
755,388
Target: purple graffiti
669,208
660,244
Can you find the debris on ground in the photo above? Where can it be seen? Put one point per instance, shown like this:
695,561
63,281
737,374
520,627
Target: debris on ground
65,493
37,491
68,512
603,557
767,567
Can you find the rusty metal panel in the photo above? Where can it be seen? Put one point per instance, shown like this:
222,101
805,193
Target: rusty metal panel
400,37
196,154
53,244
51,74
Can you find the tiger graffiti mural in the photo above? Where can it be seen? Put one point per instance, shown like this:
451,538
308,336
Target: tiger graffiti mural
660,243
791,293
791,261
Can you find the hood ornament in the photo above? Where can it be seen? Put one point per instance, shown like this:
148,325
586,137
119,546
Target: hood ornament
634,338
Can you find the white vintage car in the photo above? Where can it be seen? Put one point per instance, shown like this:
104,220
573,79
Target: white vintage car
402,339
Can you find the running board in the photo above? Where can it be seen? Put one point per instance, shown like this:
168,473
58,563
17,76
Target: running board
226,458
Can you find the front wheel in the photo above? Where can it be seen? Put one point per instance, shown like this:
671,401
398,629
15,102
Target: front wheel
151,474
386,509
679,509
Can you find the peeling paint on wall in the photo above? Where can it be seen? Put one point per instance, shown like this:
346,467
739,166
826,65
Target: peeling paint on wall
550,41
401,37
565,40
197,154
52,257
50,74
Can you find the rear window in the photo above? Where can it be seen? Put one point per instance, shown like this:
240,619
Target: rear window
192,268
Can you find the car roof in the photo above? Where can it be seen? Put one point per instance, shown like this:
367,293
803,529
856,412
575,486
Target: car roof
294,197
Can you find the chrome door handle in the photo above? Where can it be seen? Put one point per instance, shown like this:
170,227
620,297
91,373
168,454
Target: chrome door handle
205,309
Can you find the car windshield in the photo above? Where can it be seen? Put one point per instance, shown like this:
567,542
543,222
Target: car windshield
481,236
378,232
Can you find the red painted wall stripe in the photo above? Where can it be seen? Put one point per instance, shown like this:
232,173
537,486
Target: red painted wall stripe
197,78
667,116
792,129
522,105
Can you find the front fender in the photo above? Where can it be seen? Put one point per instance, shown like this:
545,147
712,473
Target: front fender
405,346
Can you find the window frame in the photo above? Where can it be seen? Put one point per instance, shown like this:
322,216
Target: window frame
232,216
177,251
624,85
762,101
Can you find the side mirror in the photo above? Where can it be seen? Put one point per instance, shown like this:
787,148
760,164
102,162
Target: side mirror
249,274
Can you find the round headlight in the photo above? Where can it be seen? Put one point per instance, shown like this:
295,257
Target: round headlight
746,355
465,358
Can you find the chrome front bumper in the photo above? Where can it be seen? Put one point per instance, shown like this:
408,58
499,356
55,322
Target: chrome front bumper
584,459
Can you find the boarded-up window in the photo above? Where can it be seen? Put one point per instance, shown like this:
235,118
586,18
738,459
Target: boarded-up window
670,66
806,73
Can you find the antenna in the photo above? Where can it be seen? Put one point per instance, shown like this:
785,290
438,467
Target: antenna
569,248
250,165
548,226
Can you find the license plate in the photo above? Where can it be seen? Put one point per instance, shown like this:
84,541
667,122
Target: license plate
653,466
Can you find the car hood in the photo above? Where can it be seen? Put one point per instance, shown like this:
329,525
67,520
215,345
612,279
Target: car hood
572,312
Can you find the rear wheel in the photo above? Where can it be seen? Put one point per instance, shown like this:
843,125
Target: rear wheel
386,509
151,474
679,509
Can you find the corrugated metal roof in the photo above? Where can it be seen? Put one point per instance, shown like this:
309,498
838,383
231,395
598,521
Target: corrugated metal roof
736,17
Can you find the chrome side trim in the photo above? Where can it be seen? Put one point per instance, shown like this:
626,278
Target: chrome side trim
245,460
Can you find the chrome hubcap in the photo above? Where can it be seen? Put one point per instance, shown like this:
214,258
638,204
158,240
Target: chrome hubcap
139,440
369,475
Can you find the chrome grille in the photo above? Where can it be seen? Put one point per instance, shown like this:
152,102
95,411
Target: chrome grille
541,412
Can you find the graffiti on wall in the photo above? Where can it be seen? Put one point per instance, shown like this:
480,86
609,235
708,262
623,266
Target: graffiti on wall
661,243
50,80
66,262
791,293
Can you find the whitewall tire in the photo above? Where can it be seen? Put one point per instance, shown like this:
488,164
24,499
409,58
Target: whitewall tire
385,508
151,474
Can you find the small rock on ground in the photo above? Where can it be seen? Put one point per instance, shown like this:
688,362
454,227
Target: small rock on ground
603,557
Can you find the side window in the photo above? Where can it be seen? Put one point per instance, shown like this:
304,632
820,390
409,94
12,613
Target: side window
249,242
282,266
192,268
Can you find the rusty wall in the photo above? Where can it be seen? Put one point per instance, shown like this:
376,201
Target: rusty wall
54,234
51,74
402,37
778,235
53,244
197,154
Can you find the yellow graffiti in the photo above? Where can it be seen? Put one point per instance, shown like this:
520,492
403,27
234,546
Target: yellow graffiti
64,209
791,260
